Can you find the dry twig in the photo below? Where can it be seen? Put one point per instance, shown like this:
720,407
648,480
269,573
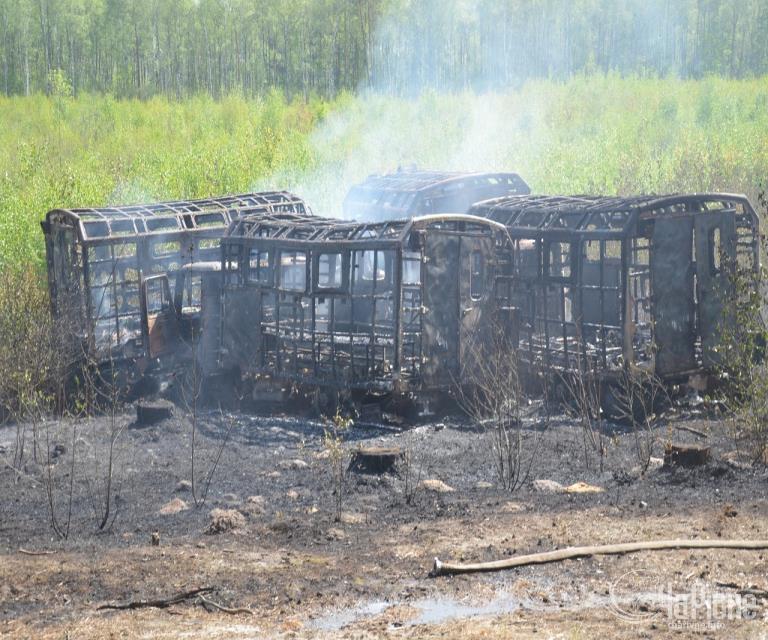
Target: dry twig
161,604
27,552
234,611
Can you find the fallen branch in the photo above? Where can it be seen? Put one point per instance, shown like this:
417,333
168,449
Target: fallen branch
160,604
27,552
695,432
569,553
205,602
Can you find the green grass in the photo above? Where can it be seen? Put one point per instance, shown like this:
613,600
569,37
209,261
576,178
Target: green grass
598,134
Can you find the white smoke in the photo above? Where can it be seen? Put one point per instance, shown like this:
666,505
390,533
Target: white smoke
408,118
448,91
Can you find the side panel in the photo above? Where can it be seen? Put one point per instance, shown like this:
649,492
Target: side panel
672,301
440,324
210,321
715,250
241,328
476,297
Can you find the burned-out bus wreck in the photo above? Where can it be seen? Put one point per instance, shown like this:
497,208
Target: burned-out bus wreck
392,308
122,280
606,284
411,192
597,285
372,307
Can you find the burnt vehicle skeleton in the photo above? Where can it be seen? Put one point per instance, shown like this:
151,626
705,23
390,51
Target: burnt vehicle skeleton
378,308
392,308
111,270
410,192
608,283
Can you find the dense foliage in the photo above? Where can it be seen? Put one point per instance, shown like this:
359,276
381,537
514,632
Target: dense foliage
181,47
597,134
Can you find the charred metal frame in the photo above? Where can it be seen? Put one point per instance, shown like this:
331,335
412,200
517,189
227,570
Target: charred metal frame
602,283
97,259
408,193
336,304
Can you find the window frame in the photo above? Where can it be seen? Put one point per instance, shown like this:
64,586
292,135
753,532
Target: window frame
570,262
411,257
279,253
269,269
357,269
345,259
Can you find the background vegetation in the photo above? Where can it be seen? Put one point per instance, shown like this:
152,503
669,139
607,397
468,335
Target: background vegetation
597,134
182,47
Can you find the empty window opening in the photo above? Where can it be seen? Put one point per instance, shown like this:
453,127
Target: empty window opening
160,248
527,254
293,270
210,243
192,293
258,266
560,260
329,271
372,265
411,267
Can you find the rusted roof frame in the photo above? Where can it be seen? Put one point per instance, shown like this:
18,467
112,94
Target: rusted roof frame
596,215
119,223
181,206
407,192
321,231
415,181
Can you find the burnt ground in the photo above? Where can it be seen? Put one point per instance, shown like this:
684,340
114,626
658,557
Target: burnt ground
304,574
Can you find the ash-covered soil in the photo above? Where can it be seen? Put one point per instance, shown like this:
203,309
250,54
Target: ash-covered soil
303,573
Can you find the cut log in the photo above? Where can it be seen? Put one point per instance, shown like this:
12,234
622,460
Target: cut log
375,460
445,568
149,413
686,455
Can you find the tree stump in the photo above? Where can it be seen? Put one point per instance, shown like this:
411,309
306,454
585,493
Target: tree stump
686,455
149,413
375,460
370,413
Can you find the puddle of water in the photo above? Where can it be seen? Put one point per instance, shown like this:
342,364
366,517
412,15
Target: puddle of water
338,619
430,611
438,610
635,605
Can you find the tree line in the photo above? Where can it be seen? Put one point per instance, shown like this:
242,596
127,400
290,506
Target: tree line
140,48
